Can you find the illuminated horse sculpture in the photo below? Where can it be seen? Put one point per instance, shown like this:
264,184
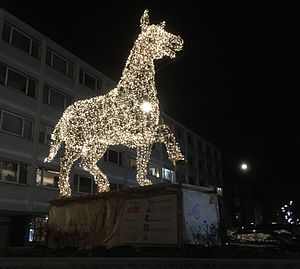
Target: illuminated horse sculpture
127,115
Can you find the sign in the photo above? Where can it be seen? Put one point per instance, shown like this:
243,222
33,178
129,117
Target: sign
201,218
150,220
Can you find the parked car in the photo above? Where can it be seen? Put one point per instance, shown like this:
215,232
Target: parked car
275,236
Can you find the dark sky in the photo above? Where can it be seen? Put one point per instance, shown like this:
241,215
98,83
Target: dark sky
236,82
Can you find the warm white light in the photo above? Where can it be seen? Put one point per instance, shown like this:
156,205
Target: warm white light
122,116
146,107
244,166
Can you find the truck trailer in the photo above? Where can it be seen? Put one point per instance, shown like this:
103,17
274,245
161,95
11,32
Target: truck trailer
163,214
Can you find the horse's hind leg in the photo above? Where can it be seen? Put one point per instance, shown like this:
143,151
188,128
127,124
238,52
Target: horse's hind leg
65,167
142,160
165,136
89,164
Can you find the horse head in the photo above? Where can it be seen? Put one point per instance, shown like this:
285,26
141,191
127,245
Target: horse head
159,42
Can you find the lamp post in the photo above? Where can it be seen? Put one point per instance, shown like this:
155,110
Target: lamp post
243,198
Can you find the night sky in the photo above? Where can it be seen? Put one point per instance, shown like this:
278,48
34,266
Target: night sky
236,82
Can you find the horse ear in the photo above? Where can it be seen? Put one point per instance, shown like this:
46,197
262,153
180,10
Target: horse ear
145,20
162,24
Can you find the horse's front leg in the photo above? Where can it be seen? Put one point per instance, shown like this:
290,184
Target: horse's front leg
165,136
65,167
89,164
142,160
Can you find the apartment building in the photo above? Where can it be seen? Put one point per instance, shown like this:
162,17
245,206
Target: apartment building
38,80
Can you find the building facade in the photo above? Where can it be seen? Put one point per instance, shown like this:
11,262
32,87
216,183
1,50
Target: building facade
38,80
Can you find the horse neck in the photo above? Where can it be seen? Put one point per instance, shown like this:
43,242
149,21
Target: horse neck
139,70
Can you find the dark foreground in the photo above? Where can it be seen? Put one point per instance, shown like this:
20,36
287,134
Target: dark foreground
145,263
149,258
225,252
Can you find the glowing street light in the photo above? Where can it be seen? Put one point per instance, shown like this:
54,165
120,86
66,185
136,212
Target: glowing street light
244,167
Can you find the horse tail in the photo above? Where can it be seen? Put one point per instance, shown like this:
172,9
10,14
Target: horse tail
56,141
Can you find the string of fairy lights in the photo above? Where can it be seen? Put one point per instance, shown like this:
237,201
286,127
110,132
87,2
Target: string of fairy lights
127,115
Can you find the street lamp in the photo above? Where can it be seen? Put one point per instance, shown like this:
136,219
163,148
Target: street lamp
244,167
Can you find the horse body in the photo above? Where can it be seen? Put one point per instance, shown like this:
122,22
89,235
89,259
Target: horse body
127,115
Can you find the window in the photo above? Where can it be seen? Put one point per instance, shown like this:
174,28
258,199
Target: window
88,80
113,156
2,74
47,178
154,170
38,230
219,191
45,133
116,186
15,124
12,171
132,162
56,98
21,40
84,184
17,80
167,174
60,63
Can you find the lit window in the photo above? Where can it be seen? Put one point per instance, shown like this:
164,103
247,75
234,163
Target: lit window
14,124
45,133
17,80
219,191
21,40
38,230
60,63
56,98
47,178
167,174
11,171
154,170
